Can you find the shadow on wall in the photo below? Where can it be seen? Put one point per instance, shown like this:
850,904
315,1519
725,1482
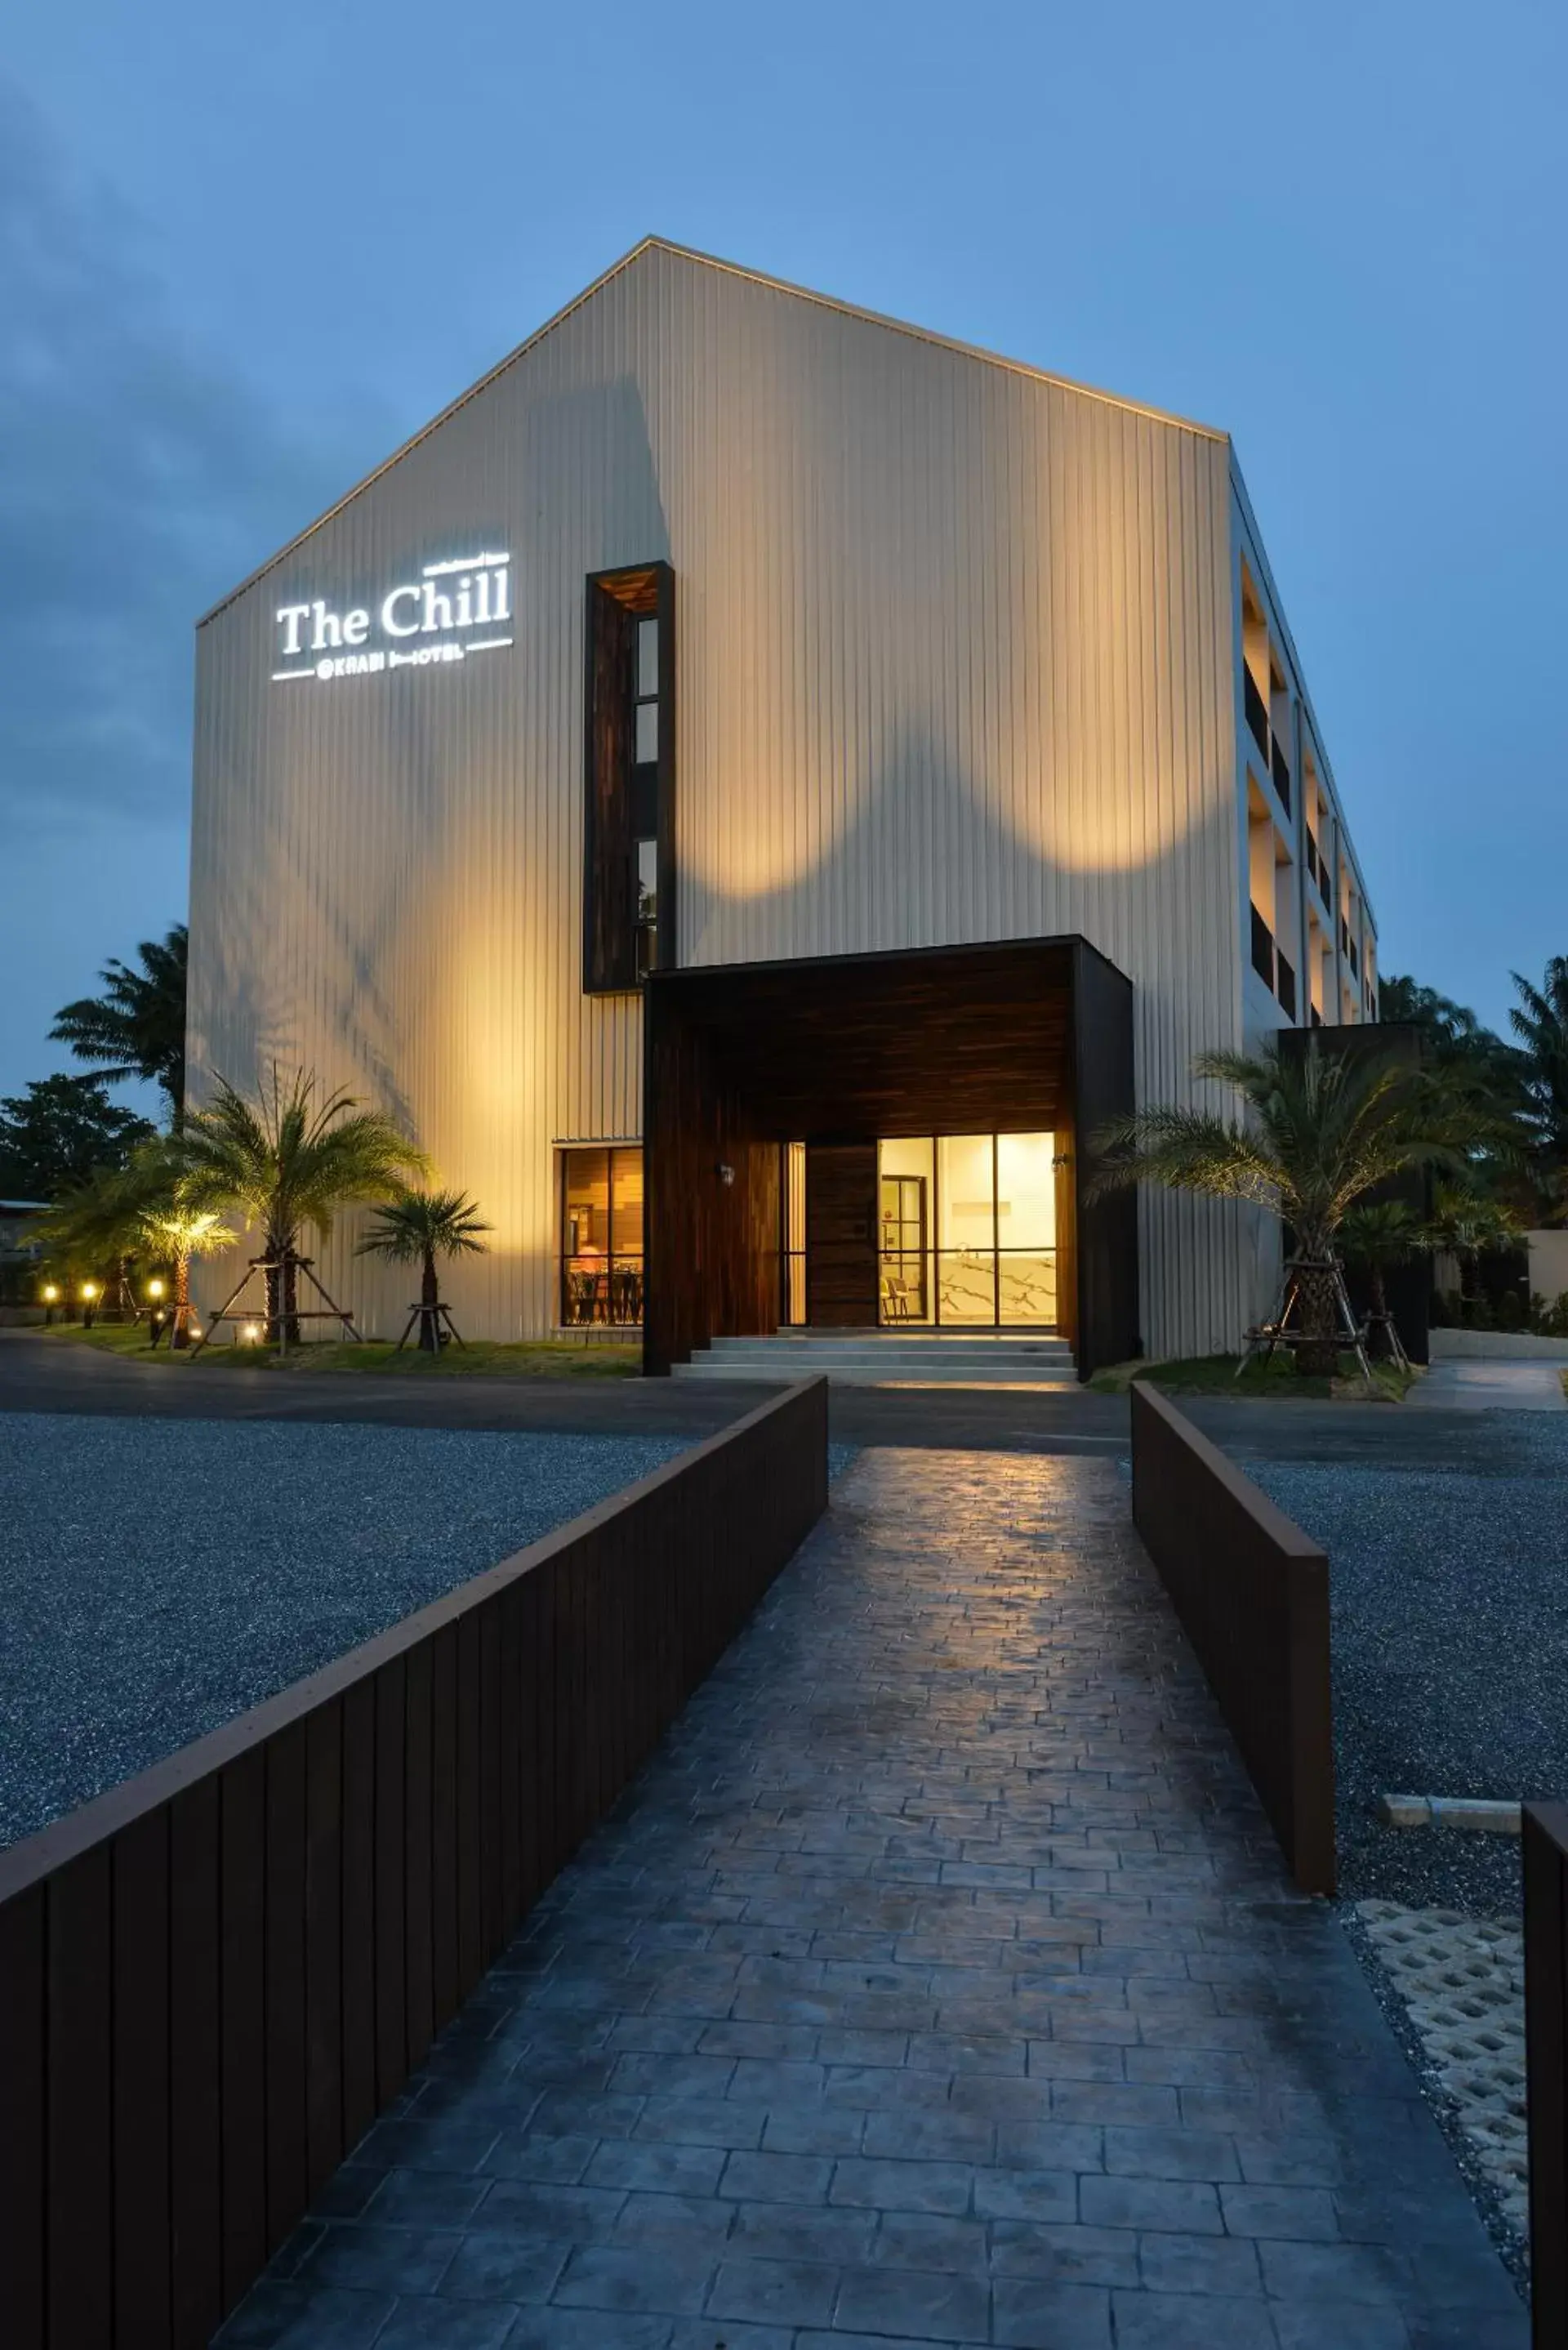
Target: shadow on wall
331,946
1171,907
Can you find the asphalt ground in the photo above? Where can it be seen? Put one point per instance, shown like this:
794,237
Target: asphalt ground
40,1375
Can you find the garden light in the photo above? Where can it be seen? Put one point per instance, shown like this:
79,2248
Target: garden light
90,1291
253,1332
155,1290
51,1299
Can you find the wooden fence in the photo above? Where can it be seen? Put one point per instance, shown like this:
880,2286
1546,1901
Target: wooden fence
1252,1592
214,1976
1546,1837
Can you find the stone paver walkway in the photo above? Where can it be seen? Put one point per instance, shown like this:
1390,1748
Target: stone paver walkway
938,1982
1490,1383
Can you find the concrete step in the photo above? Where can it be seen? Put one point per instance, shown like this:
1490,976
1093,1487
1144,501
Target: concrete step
881,1375
869,1358
916,1343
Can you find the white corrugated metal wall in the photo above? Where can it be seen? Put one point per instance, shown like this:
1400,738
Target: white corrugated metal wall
956,661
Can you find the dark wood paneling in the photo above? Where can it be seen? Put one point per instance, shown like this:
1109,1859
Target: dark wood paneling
391,1929
712,1240
668,869
359,1911
443,1830
616,600
242,1895
287,2164
949,1040
490,1912
469,1943
1104,1231
325,2147
418,1854
195,2066
1252,1592
841,1234
80,2171
1545,1855
141,2147
206,1976
609,943
23,2120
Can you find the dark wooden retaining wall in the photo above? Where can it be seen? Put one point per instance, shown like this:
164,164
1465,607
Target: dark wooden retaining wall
1252,1592
1546,1837
214,1976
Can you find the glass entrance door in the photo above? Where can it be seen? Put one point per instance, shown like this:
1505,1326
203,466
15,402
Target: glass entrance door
968,1231
902,1246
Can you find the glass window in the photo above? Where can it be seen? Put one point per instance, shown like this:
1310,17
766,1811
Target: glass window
967,1230
647,734
1026,1227
905,1237
794,1299
601,1236
647,660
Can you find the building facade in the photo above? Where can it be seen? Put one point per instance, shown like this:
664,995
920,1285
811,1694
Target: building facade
751,786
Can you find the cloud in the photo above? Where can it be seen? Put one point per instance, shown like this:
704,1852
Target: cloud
139,480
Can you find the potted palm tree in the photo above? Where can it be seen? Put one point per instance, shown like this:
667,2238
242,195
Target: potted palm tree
416,1227
1319,1131
292,1158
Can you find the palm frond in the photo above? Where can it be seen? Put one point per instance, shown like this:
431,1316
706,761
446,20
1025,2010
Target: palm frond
417,1224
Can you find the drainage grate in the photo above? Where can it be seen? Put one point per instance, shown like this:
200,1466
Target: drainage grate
1462,1983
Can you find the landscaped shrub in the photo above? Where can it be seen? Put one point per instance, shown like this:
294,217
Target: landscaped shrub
1510,1311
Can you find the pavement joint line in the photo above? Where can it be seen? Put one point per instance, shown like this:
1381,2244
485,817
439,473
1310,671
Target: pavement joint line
1481,1814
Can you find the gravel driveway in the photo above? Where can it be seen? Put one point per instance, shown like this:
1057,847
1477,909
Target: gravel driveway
1450,1651
158,1577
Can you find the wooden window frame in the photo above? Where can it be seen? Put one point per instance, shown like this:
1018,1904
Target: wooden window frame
615,602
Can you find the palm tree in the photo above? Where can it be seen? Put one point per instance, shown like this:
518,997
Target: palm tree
287,1160
415,1229
1469,1225
93,1226
137,1211
1375,1236
1321,1131
1540,1021
175,1235
136,1028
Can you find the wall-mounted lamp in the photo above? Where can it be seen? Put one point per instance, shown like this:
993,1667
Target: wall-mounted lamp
726,1173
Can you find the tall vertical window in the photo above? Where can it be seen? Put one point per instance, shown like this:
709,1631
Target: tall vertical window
629,778
601,1236
792,1302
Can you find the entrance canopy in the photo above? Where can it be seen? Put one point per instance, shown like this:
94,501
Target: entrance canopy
1024,1036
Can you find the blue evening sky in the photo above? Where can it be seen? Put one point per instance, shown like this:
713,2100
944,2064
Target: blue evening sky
244,253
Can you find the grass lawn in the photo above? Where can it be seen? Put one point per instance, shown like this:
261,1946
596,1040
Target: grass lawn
541,1358
1279,1378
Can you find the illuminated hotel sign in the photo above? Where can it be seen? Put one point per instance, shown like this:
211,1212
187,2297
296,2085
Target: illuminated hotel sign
451,612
